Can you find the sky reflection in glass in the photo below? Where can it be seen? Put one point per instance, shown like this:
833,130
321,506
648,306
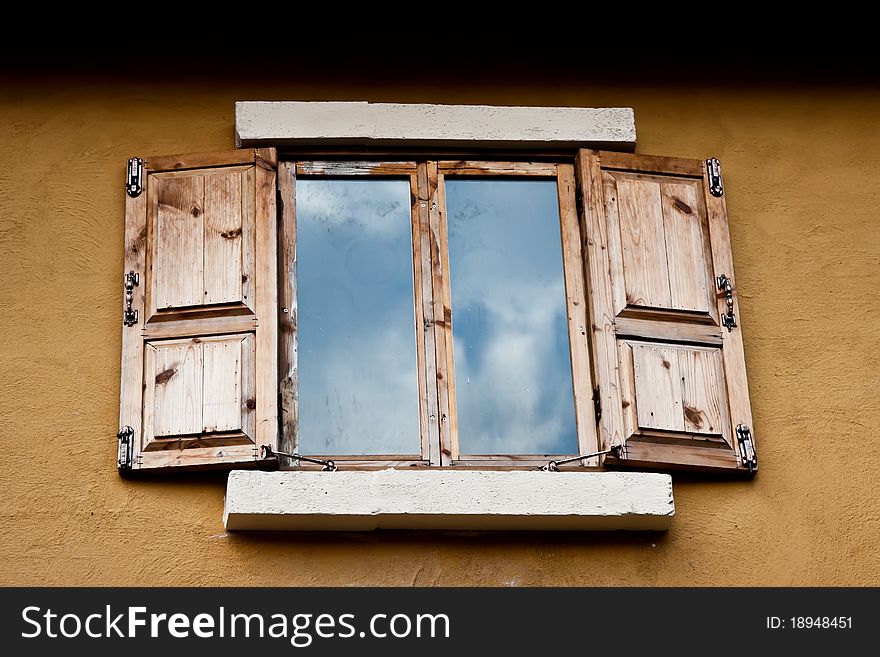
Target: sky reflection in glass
510,334
358,387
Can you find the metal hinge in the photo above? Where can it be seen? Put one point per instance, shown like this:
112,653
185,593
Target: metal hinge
266,452
597,404
713,170
746,447
135,178
129,315
726,286
126,444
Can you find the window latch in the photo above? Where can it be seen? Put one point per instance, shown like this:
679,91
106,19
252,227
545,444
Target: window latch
729,318
553,466
268,452
129,315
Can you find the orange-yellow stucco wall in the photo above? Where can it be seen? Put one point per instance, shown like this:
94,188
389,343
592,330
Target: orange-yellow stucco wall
802,174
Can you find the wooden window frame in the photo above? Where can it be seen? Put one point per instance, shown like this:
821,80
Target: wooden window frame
432,305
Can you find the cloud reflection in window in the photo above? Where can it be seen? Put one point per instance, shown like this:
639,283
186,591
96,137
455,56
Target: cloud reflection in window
510,335
358,387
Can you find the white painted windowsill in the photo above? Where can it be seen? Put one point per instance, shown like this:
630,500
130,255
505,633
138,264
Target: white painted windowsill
447,499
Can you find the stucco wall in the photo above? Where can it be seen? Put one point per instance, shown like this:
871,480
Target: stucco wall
801,173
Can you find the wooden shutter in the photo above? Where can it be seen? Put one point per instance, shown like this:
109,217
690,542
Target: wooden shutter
672,377
199,364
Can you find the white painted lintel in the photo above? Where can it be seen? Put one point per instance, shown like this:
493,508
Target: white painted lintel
322,123
447,499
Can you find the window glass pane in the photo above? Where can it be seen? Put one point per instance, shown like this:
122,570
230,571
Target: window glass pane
358,387
510,335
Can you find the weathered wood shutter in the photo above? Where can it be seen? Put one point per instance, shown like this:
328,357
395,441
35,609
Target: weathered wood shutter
672,377
199,365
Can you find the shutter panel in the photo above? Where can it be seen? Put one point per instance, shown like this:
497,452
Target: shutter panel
200,365
672,377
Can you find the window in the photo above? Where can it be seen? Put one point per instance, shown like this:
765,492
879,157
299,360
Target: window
432,316
431,313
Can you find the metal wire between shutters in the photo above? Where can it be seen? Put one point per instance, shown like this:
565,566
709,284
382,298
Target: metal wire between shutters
329,466
553,466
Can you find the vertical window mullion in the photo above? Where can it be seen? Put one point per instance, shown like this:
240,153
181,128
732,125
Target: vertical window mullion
443,318
425,247
287,375
427,398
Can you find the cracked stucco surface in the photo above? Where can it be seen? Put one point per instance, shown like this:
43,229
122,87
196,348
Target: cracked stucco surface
802,173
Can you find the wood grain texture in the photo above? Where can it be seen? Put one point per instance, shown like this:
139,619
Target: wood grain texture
136,246
658,387
448,446
681,377
205,231
646,275
223,238
204,458
201,441
595,235
355,168
658,243
482,168
266,284
202,223
178,249
733,356
612,242
196,326
629,402
247,407
687,397
683,214
174,384
183,162
427,244
288,379
389,462
703,398
651,164
425,439
643,454
517,462
668,331
197,387
248,240
441,317
222,385
576,312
